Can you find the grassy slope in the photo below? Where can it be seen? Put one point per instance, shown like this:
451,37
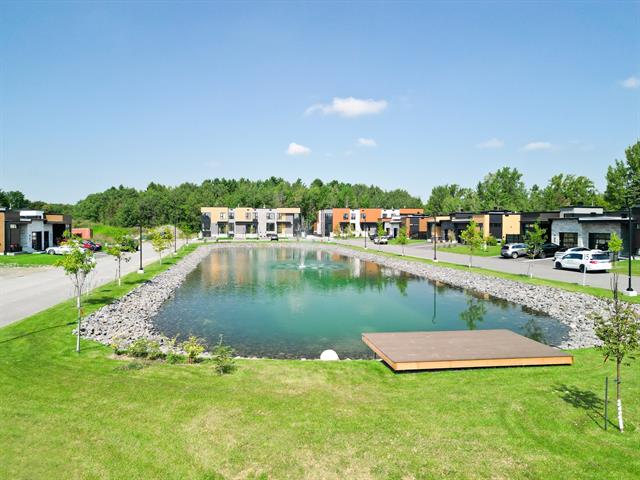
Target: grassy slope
65,415
623,267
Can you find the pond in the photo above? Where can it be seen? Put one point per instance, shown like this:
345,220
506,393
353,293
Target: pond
295,303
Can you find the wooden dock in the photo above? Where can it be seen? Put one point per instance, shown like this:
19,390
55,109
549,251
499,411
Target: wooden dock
462,349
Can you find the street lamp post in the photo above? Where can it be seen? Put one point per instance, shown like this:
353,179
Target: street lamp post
141,269
175,238
630,291
435,241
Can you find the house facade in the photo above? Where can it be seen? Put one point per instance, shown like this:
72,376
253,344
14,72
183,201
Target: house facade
362,221
247,222
28,231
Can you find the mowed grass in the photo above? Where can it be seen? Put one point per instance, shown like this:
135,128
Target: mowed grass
622,267
65,415
28,260
491,251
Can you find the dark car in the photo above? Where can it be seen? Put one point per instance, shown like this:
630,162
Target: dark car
548,250
88,244
272,236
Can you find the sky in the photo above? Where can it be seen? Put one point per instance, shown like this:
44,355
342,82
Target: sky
401,95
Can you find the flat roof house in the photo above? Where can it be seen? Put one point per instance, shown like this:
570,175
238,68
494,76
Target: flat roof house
30,231
247,222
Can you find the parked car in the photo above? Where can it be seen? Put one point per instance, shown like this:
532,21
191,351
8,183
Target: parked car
90,245
514,250
592,261
58,250
381,240
562,251
272,237
548,249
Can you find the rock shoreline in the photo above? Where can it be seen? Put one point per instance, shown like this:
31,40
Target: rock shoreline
131,316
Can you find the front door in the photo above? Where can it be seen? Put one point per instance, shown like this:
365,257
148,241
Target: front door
46,240
36,240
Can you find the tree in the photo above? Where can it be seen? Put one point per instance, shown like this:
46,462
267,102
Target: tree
619,332
445,199
187,231
77,264
120,250
534,238
161,239
402,238
472,237
474,314
615,246
623,179
380,229
564,190
503,189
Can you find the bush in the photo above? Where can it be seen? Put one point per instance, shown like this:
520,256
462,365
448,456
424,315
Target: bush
491,241
174,358
193,348
143,348
222,357
118,345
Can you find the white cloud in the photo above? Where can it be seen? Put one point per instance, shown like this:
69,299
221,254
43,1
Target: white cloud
367,142
297,149
348,107
491,143
631,82
533,146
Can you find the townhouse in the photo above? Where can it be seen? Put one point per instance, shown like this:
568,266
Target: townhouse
247,222
363,221
27,231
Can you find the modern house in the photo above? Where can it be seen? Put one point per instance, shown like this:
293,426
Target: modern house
592,227
361,221
247,222
30,231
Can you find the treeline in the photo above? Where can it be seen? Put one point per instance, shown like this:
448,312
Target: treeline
503,189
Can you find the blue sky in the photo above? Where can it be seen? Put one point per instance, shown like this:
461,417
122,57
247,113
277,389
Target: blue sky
406,95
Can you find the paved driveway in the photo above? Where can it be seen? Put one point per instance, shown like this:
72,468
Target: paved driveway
541,268
26,291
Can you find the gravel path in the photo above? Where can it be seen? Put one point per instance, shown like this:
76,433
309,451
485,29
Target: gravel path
131,316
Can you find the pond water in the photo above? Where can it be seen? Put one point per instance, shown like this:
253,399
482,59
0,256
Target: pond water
293,303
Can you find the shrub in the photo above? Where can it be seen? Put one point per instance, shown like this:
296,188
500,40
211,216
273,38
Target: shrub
492,241
143,348
118,345
174,358
131,366
193,348
222,357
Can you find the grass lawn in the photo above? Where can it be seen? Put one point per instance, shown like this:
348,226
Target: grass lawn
491,251
65,415
28,260
410,241
623,267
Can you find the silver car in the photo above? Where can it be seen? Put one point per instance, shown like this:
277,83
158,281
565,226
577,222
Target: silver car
513,250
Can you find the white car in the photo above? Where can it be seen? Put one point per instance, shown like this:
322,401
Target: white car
561,253
60,250
383,240
592,261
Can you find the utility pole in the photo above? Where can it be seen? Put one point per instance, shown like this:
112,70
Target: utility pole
630,291
141,269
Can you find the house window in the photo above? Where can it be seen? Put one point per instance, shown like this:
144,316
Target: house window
270,216
353,216
599,241
345,216
568,239
222,229
363,216
221,216
271,227
232,215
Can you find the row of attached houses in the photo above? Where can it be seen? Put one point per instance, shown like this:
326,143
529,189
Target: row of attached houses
246,222
569,227
361,221
27,231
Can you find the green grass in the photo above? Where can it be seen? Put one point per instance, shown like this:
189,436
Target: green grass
491,251
106,233
28,260
410,241
65,415
572,287
623,267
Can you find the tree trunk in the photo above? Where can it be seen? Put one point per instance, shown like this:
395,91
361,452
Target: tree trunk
119,274
79,319
619,399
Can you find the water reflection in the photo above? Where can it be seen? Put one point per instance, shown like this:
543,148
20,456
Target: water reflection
295,303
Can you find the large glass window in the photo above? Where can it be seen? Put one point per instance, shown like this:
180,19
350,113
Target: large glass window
568,239
599,241
271,227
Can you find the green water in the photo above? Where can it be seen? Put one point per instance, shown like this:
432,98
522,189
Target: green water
291,303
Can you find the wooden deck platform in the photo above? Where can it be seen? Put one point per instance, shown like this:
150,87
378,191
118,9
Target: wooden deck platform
462,349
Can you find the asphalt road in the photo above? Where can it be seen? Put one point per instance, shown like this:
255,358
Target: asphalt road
26,291
540,268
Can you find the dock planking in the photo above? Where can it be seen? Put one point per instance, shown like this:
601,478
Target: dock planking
462,349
